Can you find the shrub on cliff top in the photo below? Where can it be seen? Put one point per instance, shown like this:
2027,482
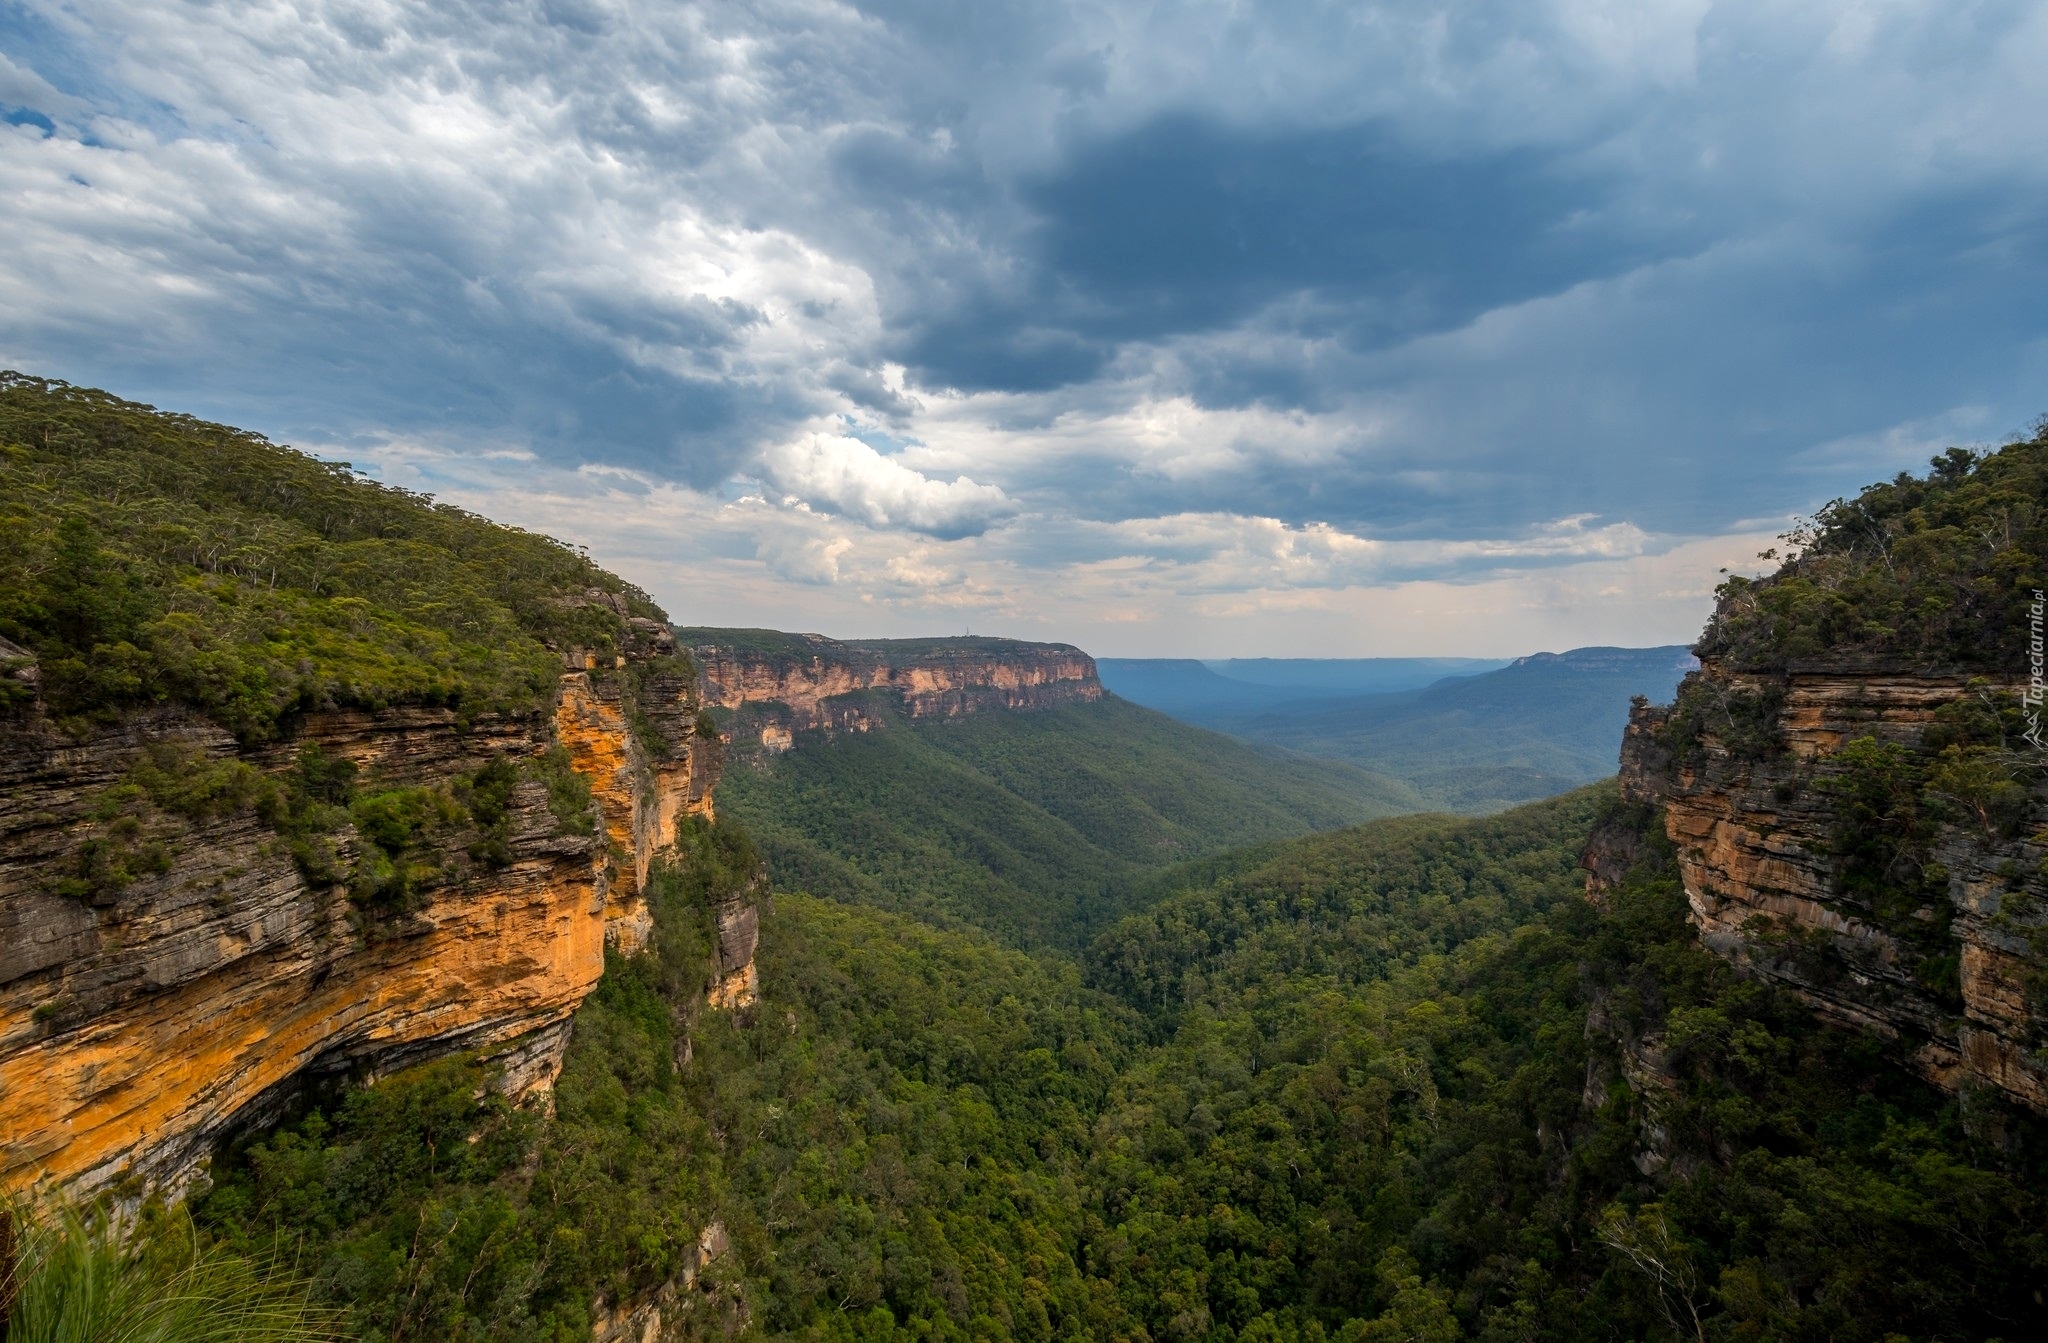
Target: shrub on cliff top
1930,572
149,558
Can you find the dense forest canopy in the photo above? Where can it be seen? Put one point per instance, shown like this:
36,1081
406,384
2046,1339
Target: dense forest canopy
1037,827
148,557
1369,1085
1934,571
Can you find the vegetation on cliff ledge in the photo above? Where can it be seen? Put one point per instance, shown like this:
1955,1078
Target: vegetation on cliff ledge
72,1274
1935,571
148,558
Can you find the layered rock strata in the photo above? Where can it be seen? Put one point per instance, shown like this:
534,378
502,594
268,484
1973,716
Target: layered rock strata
149,1008
1958,980
792,683
645,775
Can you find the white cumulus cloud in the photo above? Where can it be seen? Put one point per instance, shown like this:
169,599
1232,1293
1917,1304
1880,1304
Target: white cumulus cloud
843,475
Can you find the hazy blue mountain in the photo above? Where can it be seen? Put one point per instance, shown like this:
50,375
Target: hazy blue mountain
1185,686
1540,725
1350,676
1178,686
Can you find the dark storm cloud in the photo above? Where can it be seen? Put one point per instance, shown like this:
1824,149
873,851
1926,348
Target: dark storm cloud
1182,225
1684,397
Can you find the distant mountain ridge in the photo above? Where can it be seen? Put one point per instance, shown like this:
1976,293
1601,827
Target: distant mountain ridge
1349,676
1191,686
1543,724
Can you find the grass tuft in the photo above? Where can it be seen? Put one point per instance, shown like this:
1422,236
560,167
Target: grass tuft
77,1273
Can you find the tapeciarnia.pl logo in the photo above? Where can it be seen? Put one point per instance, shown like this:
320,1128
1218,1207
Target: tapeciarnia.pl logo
2035,684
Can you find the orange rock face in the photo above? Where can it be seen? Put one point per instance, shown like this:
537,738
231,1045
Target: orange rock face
143,1020
1758,839
641,788
806,682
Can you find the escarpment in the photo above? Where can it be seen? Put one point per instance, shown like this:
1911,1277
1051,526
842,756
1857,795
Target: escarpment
791,683
190,928
300,775
634,730
1853,780
1837,843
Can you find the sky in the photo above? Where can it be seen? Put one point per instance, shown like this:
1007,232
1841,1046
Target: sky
1166,329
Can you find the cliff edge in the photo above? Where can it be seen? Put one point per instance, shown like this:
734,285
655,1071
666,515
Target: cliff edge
300,776
791,683
1854,779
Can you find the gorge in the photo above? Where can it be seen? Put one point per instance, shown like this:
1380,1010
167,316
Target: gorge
362,889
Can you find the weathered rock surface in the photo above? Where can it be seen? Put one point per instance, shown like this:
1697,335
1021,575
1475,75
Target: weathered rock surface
792,683
1757,838
643,781
143,1019
690,1296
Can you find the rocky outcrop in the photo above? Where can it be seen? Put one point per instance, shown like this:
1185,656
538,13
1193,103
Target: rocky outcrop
181,949
736,983
1829,842
644,774
714,1308
793,683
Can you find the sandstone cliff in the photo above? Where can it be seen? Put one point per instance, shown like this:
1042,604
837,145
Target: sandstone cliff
791,683
190,928
1871,837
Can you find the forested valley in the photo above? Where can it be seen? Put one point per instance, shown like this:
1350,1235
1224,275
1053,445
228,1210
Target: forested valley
1366,1088
1402,1080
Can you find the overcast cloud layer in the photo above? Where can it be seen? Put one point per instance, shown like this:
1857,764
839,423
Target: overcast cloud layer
1196,328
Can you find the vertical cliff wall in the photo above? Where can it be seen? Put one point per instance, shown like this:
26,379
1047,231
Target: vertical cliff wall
633,729
1872,838
791,683
1854,777
189,929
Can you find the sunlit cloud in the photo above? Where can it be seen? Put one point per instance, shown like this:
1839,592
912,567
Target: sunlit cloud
844,475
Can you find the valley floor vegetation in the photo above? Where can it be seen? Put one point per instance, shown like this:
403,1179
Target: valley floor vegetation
1395,1082
1035,827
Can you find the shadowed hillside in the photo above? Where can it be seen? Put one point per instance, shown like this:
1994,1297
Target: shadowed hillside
1035,825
